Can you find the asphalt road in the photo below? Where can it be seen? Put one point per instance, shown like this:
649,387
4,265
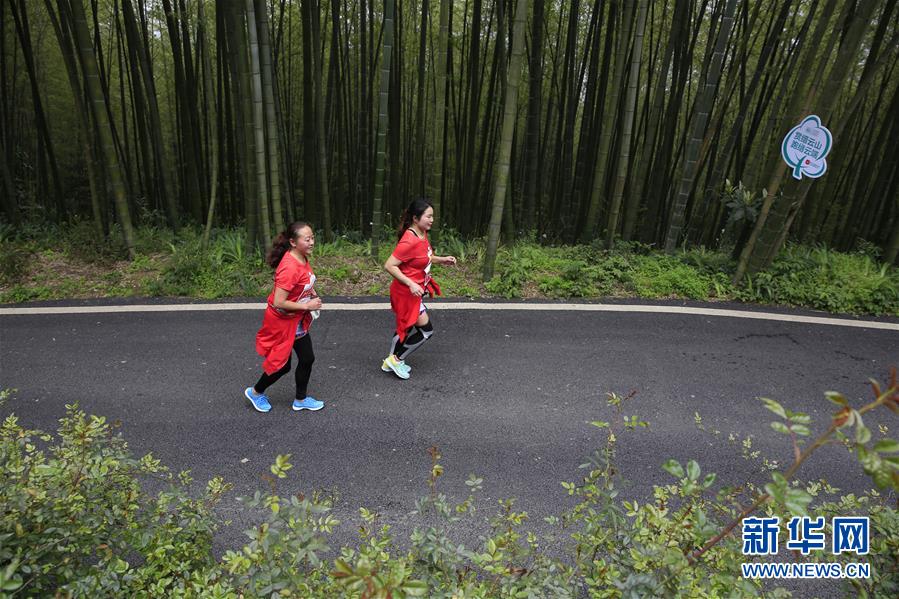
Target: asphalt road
506,395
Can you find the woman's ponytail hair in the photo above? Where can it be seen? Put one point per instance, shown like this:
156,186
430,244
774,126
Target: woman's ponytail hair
281,243
413,210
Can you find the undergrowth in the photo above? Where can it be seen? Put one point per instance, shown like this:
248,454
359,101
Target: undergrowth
57,262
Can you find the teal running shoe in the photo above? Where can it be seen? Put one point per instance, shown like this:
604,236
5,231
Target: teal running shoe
398,367
386,367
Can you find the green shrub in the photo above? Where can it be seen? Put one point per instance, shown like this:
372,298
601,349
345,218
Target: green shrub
708,262
509,278
79,240
344,245
13,262
450,243
225,269
152,239
827,280
338,273
575,280
664,276
22,293
76,521
167,265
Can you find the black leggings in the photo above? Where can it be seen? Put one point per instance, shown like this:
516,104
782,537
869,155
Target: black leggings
305,356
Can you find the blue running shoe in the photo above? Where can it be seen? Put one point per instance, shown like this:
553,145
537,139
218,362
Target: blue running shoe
310,403
259,401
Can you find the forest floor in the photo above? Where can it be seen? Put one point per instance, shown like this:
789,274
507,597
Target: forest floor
45,268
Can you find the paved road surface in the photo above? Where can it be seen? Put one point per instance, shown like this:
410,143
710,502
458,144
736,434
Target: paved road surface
505,394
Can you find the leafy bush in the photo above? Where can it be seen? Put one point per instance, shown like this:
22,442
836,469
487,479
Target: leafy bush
743,205
450,243
224,269
514,267
13,262
827,280
152,239
76,521
80,241
344,245
167,265
663,276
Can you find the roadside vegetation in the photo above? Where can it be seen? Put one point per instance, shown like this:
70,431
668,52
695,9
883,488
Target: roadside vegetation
76,520
62,262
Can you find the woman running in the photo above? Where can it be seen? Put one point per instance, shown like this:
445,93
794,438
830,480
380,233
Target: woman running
410,266
292,306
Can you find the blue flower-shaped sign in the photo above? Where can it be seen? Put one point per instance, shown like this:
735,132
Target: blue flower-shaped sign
805,147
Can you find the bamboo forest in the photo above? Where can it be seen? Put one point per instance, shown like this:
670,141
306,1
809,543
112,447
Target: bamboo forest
577,121
663,360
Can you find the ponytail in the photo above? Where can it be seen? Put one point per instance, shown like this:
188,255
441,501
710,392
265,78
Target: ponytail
405,223
413,210
281,243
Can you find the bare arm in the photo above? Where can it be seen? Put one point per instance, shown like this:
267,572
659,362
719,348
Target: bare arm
445,260
282,303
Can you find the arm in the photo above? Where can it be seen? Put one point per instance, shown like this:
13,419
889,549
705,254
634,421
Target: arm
393,267
282,303
445,260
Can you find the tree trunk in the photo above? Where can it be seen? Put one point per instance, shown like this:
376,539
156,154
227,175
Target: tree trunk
20,17
101,118
532,140
266,230
9,191
245,156
383,124
325,199
272,117
778,165
664,156
505,148
625,143
437,181
420,145
469,185
768,236
160,171
62,29
717,177
190,188
208,93
703,107
610,117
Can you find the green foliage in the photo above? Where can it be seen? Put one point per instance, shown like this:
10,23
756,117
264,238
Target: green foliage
450,243
168,266
224,269
345,246
76,521
827,280
80,241
666,276
742,205
13,262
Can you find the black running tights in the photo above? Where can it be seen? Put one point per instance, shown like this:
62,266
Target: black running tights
305,356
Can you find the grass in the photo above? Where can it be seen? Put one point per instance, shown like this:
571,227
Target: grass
38,263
